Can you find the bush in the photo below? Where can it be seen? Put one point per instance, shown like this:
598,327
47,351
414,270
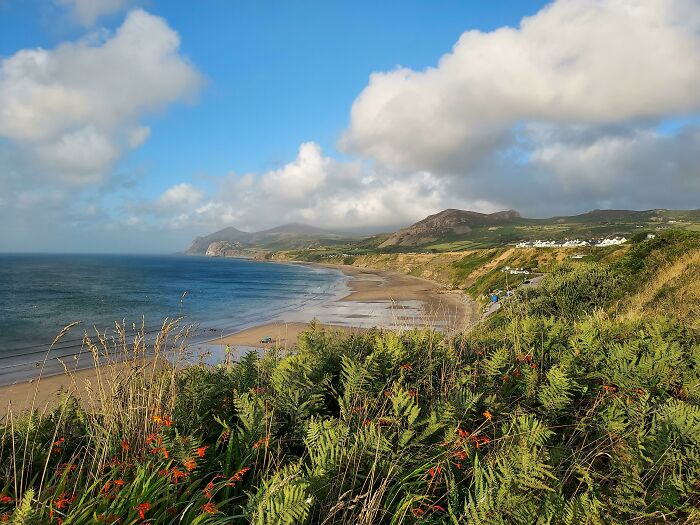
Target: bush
571,291
536,421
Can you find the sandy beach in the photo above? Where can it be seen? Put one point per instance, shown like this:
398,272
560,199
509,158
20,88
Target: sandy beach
375,298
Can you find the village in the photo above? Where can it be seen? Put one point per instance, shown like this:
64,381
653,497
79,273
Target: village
573,243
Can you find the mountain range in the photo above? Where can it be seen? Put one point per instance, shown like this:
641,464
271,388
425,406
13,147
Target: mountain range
452,229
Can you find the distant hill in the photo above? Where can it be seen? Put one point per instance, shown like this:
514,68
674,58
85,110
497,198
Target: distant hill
459,229
287,236
446,223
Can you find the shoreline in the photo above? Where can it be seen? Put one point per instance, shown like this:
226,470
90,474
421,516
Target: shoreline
374,298
390,291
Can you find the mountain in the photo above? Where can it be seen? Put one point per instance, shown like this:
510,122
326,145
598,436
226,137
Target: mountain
447,223
287,236
230,235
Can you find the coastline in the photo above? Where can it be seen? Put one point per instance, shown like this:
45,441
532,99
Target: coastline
374,298
382,298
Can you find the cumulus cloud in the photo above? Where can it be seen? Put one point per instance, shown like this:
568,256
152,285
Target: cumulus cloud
74,109
87,12
312,188
594,62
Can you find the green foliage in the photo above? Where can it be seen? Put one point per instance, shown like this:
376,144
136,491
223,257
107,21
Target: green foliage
572,291
534,420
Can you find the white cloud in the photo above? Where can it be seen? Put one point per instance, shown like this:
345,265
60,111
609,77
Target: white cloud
87,12
312,188
295,180
181,196
76,108
589,61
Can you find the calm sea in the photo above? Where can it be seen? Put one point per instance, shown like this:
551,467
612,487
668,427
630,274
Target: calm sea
40,294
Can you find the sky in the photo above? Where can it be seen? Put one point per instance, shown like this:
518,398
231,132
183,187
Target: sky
134,125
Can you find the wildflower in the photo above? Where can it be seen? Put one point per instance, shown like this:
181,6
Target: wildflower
125,445
460,454
488,415
481,440
505,378
462,433
533,366
209,508
639,391
190,464
4,498
517,373
264,441
63,502
178,474
434,471
208,490
610,389
157,419
107,486
407,367
438,508
153,438
5,518
166,454
57,445
238,476
201,451
143,508
417,512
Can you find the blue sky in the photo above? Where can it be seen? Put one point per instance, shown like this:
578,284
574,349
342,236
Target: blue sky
260,79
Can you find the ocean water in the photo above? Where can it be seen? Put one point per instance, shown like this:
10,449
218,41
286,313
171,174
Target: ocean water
40,294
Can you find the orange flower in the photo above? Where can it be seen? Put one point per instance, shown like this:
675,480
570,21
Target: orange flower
417,512
434,471
178,474
209,508
207,490
125,445
190,464
167,422
610,389
166,454
438,508
264,441
238,476
152,437
119,483
201,451
143,508
225,435
460,454
4,498
406,367
157,419
462,433
63,502
107,486
488,415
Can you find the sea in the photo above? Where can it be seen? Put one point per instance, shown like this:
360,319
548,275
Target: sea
41,294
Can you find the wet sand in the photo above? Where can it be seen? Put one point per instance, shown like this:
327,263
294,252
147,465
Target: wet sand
376,298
